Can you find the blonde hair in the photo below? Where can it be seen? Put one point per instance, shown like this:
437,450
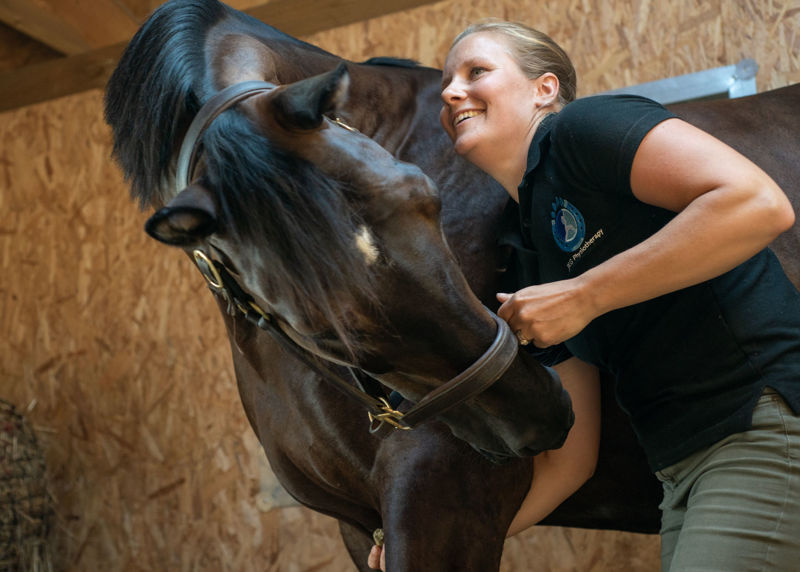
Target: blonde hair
534,51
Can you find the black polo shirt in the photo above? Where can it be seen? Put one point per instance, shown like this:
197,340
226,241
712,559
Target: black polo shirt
691,364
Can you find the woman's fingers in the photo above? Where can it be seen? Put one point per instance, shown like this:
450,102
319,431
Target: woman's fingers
376,559
545,314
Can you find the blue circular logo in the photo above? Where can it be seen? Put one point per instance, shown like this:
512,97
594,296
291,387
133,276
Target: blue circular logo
569,229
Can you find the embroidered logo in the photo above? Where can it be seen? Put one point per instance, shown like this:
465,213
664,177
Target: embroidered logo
569,229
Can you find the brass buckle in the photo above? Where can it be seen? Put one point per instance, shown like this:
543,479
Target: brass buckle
390,416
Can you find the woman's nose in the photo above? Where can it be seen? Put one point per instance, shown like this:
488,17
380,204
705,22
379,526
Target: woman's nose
452,92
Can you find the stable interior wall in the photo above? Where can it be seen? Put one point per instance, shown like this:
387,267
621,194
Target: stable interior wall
114,349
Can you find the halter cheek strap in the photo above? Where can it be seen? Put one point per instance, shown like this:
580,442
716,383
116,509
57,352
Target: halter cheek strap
222,101
383,416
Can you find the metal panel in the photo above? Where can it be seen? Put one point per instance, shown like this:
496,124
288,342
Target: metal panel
724,82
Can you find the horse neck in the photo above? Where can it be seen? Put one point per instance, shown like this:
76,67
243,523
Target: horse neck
388,103
241,48
399,108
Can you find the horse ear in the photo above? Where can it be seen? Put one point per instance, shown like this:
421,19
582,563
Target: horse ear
302,105
188,218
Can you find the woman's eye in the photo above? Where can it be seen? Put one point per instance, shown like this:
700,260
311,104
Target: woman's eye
476,71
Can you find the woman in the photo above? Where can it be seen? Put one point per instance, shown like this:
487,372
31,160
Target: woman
641,249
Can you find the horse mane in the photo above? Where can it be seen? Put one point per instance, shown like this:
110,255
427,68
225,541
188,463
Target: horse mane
300,219
156,89
389,61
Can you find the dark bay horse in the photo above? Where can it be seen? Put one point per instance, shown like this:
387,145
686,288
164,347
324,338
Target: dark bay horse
345,245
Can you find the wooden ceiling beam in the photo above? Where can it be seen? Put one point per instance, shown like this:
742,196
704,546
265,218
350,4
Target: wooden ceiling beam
305,17
141,9
69,26
91,70
57,78
41,24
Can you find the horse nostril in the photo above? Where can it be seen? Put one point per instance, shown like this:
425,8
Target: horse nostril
546,440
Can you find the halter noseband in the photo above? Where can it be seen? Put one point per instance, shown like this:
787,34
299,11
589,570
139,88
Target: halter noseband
475,379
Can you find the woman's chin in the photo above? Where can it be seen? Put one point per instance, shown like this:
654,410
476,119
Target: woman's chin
463,146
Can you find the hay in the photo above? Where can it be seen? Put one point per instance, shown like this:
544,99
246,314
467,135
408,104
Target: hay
26,508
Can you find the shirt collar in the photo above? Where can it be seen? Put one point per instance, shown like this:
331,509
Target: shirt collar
539,144
510,229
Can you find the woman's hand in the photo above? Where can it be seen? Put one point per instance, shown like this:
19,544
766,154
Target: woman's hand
547,314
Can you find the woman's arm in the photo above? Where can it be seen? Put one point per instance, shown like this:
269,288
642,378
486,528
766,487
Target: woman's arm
729,210
560,472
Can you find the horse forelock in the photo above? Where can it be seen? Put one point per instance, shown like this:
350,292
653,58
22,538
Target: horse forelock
301,223
156,89
391,62
162,80
310,233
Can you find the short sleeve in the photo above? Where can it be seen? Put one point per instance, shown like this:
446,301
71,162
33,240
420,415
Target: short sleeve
597,137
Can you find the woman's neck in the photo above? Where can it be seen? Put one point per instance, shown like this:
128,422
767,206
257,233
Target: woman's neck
510,169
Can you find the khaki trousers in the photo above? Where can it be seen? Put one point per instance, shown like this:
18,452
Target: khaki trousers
735,506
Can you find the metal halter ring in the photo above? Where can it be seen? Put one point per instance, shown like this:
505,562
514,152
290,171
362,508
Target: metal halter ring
208,270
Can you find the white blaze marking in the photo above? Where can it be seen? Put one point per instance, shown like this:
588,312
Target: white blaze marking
366,244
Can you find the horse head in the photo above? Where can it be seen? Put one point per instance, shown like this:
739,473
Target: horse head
342,244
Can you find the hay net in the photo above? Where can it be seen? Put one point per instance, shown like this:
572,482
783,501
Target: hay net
26,507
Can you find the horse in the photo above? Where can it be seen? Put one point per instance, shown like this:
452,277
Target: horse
371,250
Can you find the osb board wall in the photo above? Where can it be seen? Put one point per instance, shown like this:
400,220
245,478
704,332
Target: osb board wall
613,43
116,351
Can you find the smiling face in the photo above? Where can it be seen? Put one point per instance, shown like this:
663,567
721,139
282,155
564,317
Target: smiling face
491,108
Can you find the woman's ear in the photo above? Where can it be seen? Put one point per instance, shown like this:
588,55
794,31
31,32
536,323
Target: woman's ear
546,88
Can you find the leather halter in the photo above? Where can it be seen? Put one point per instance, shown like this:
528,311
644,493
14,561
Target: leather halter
469,383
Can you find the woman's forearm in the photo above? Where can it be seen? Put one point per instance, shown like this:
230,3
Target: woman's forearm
728,210
559,473
716,232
